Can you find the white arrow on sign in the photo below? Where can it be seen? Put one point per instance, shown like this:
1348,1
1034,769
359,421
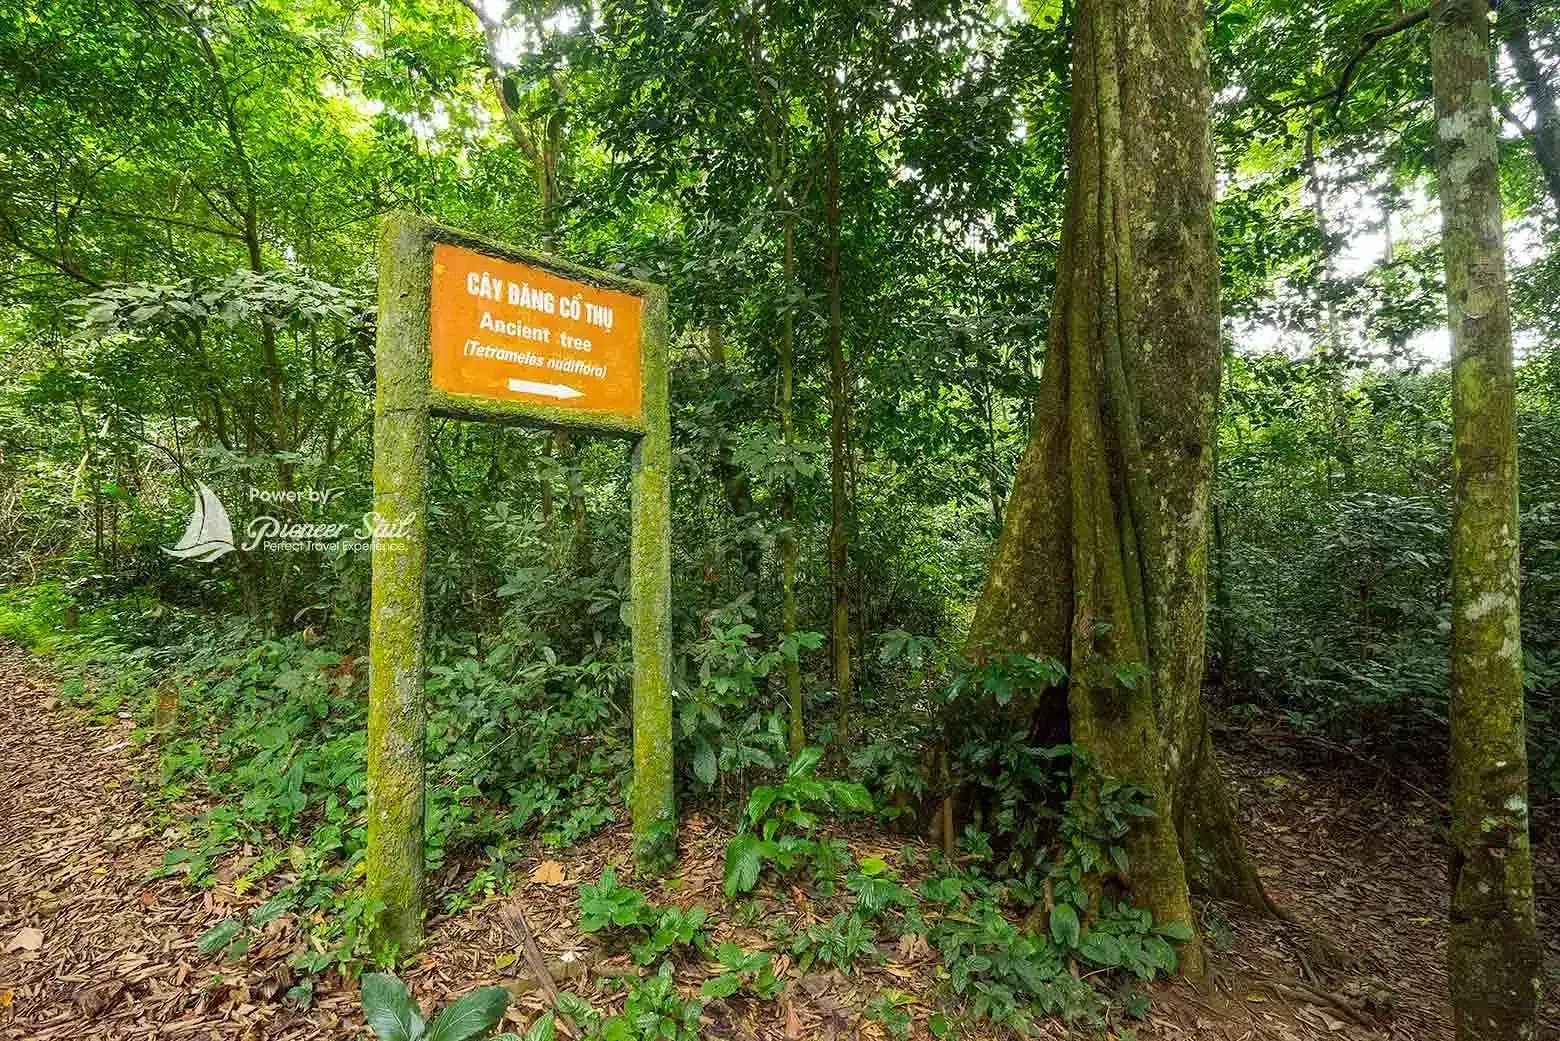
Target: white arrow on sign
551,390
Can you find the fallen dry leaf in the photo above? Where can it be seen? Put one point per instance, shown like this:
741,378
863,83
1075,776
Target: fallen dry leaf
95,1000
548,873
28,939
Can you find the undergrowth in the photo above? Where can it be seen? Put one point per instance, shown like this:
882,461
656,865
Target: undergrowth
257,743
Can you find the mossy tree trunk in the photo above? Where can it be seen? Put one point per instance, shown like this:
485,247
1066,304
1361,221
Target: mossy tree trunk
1492,946
1102,560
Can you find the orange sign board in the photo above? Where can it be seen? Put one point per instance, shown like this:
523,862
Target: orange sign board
513,332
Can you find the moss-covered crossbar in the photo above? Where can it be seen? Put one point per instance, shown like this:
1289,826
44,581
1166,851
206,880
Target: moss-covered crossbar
404,400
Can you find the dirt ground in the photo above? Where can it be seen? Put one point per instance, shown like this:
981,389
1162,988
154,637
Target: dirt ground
94,950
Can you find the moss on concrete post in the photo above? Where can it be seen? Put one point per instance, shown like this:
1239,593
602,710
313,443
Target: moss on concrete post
650,565
1492,946
396,713
403,404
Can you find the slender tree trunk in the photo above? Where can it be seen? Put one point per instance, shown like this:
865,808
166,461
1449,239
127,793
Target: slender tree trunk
545,483
1137,315
839,546
547,194
1492,946
734,481
550,198
568,451
542,141
787,541
583,557
1334,364
1516,24
994,484
1221,593
782,184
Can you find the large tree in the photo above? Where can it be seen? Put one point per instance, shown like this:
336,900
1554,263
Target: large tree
1103,556
1493,942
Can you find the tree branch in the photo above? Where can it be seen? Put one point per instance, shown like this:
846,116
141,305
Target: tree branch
1339,93
1368,43
13,234
497,77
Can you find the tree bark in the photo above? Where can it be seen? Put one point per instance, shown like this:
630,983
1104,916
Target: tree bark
1108,518
1103,550
776,127
1492,946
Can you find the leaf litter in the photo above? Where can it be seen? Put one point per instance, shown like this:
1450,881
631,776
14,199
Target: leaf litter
97,951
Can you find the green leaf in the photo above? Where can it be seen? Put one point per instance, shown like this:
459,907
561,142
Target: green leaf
389,1009
744,861
759,802
722,986
1101,948
806,762
574,1007
1064,926
704,764
470,1015
1175,931
853,796
1160,954
218,936
271,910
544,1029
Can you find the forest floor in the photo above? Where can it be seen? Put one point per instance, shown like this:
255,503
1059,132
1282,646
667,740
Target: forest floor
93,949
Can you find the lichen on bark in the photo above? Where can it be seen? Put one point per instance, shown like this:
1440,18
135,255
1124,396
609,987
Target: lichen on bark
1492,945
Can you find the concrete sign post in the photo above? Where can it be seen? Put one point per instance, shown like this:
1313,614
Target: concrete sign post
480,331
